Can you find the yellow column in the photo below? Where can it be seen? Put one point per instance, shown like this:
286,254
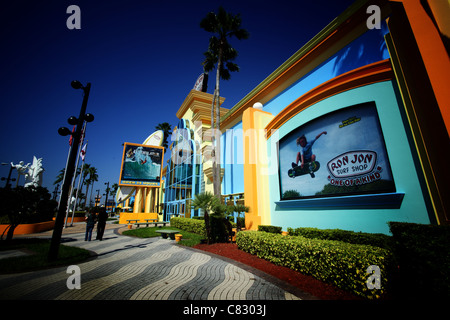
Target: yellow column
256,189
148,200
137,208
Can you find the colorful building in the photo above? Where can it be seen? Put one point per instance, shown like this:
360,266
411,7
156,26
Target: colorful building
351,132
189,169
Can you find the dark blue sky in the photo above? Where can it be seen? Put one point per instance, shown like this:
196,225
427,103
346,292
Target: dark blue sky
142,59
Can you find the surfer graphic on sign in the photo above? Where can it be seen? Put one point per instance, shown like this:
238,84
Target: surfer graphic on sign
308,163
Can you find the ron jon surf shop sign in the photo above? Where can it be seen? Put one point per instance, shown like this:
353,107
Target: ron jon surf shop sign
354,168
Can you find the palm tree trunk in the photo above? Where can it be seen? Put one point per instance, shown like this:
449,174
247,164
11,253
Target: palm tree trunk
213,140
91,193
216,169
87,190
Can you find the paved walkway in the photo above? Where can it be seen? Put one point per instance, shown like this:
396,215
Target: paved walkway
128,268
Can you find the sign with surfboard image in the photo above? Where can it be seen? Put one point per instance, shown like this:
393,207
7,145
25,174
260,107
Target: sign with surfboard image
351,144
142,164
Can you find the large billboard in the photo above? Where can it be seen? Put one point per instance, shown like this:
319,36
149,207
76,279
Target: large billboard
340,153
141,165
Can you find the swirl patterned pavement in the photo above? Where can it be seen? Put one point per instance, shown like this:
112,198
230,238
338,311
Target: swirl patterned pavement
128,268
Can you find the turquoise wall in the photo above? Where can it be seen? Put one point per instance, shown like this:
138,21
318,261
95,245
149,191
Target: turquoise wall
368,48
413,208
232,159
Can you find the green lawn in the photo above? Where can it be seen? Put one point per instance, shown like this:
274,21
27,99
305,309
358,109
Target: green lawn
38,260
69,255
189,239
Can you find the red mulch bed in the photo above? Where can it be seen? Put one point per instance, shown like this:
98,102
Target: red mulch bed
306,283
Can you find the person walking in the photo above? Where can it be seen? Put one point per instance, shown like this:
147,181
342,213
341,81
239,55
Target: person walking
102,217
90,223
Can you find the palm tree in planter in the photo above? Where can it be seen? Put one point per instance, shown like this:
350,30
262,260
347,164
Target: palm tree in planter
239,208
207,202
223,26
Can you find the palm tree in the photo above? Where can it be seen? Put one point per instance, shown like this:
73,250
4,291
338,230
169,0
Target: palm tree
207,202
60,176
240,208
165,127
222,25
93,176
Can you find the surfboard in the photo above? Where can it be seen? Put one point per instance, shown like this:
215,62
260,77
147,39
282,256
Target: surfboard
124,192
155,139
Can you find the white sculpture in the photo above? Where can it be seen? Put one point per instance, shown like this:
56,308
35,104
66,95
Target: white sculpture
21,169
72,202
34,175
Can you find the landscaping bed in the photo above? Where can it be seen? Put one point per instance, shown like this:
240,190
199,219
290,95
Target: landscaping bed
306,283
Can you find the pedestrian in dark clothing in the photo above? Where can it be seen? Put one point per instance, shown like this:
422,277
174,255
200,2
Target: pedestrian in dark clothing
90,223
102,217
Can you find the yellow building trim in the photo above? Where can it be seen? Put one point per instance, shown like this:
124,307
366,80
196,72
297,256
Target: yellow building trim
200,105
256,182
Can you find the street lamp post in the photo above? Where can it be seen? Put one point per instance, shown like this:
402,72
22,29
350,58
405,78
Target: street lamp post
107,191
9,175
70,169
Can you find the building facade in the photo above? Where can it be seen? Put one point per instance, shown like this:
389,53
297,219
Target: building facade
189,169
351,132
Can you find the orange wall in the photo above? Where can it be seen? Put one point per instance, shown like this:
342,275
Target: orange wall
434,55
124,216
29,228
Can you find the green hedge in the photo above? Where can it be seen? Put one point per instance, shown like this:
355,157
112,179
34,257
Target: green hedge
372,239
423,254
341,264
269,228
189,225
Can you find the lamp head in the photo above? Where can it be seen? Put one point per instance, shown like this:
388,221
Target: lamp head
89,117
72,120
63,131
76,84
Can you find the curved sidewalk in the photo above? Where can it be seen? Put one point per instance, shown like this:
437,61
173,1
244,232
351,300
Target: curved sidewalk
128,268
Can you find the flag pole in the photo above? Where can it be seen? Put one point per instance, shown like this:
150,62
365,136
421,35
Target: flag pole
75,175
79,181
67,161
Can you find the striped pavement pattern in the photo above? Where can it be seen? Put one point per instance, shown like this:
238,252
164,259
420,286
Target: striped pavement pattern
128,268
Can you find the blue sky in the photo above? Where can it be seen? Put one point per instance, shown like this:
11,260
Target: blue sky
142,59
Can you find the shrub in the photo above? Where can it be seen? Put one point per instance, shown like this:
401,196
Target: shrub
189,225
25,205
80,214
423,255
220,228
240,222
372,239
341,264
270,229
